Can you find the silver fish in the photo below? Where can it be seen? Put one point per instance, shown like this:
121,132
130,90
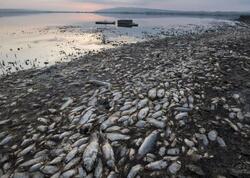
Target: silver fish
49,169
72,163
85,118
68,174
90,153
66,104
57,159
134,171
6,140
112,174
98,169
157,165
109,122
32,161
117,136
143,113
71,154
80,142
108,154
26,150
147,144
156,123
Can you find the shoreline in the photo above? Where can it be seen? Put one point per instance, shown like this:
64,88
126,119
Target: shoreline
193,91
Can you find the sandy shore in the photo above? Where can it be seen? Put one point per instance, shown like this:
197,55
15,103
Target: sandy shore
189,96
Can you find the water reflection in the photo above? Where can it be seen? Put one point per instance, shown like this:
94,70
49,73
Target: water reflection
45,39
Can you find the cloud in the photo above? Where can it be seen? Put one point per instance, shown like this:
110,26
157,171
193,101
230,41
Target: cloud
89,5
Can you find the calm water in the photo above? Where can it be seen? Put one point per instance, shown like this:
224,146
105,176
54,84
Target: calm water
45,39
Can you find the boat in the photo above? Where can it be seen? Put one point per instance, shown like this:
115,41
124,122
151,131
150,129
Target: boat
126,23
105,22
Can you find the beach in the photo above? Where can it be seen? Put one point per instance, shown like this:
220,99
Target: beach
171,107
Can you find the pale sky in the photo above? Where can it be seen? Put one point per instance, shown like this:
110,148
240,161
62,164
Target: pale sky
88,5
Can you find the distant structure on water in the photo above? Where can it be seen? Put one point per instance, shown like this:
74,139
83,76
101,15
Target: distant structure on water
126,23
120,23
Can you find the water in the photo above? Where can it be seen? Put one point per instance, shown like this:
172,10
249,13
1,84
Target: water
39,40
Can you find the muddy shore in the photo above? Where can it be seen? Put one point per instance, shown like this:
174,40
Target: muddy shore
191,91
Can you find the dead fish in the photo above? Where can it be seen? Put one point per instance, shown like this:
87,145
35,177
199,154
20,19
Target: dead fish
147,144
68,174
36,167
6,140
182,109
100,83
71,154
81,172
57,159
43,120
99,169
32,161
143,113
66,104
181,115
113,129
26,150
152,93
65,134
85,118
49,170
79,108
142,103
157,165
112,174
72,163
26,142
117,136
90,153
109,122
134,171
80,142
56,175
160,93
108,154
156,123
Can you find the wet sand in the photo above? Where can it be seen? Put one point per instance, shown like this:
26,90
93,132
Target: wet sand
193,90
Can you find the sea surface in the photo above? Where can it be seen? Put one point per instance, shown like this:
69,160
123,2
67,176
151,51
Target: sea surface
39,40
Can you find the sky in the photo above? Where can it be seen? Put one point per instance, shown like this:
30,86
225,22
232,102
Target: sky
91,5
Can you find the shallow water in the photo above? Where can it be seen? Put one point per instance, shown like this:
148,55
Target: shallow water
38,40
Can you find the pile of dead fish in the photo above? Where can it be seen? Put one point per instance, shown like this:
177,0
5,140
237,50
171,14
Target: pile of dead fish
143,129
138,139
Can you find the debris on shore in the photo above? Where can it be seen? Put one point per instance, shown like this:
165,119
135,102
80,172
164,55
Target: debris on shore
175,107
